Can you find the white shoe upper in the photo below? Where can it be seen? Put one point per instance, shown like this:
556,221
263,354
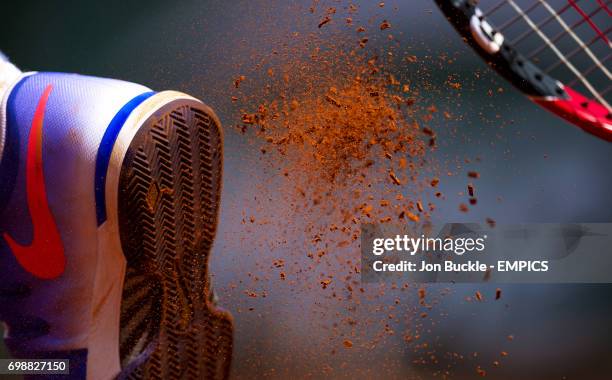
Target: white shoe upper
8,75
70,311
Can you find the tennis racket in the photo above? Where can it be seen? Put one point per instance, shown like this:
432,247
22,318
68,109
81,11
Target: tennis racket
557,52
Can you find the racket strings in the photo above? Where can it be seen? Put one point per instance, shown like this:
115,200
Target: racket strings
501,3
561,34
604,6
495,8
580,49
518,17
590,70
581,45
542,24
565,25
589,20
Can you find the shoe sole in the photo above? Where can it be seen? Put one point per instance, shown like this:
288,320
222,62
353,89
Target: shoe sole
168,197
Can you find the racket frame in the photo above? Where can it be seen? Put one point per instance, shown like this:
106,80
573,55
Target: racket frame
540,87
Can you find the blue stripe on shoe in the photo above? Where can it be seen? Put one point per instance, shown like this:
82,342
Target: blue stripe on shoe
105,150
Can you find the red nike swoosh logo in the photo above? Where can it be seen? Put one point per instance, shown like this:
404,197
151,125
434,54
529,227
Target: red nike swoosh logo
44,256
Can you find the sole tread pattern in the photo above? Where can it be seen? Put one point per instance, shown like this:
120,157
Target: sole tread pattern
170,185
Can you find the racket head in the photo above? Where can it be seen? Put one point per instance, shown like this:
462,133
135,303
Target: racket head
589,110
